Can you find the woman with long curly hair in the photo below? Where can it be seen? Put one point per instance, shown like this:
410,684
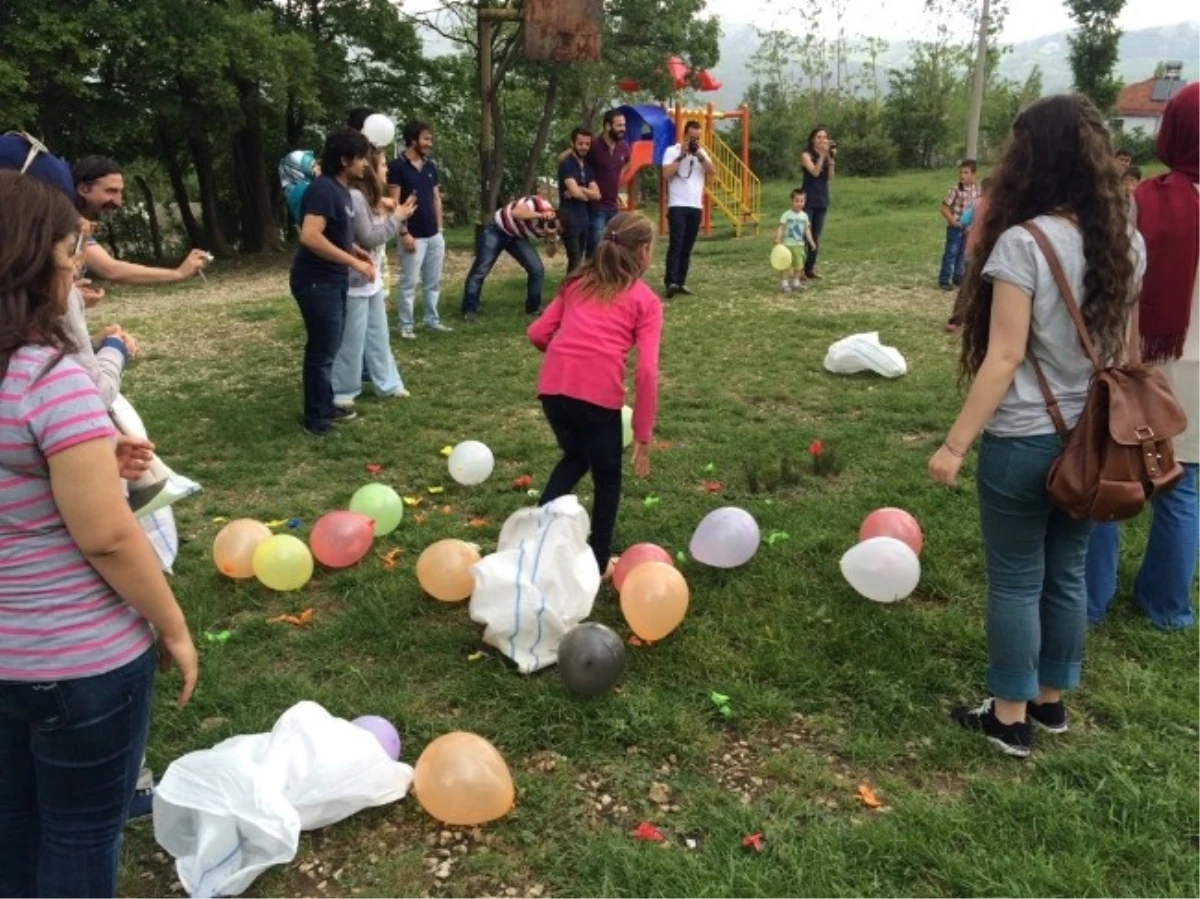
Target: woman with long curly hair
1168,217
1057,171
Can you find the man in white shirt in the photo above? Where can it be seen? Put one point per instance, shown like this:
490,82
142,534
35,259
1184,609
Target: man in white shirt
685,166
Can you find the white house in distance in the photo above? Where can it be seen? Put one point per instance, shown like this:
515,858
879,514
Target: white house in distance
1141,105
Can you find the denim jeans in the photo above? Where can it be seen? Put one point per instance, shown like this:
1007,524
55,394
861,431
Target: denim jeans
577,237
425,262
684,225
493,242
599,220
590,439
1036,595
69,758
365,345
954,260
1164,582
323,307
816,221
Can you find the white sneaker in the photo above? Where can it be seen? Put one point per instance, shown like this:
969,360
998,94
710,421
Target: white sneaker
348,405
407,334
397,394
785,287
440,328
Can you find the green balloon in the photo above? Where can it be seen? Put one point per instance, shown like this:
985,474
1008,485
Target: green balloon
381,504
626,426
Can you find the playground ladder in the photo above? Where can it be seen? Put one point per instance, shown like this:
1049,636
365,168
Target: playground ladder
733,188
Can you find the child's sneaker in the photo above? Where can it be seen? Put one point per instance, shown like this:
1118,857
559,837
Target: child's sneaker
785,287
407,334
1048,716
1011,739
800,284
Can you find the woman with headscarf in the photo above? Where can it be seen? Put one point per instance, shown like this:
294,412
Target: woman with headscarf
1169,320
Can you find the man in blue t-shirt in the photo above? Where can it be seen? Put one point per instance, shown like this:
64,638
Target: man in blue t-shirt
320,271
576,189
422,249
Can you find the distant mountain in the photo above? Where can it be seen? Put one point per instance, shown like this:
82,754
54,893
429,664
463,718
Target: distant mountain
1140,51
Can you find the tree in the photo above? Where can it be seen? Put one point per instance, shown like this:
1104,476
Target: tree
921,99
1094,48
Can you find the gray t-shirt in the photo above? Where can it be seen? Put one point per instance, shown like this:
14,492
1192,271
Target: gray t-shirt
1052,335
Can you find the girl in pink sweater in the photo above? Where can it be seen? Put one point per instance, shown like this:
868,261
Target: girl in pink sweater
602,311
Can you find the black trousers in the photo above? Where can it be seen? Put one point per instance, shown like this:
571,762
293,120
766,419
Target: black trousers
590,438
816,221
684,225
576,237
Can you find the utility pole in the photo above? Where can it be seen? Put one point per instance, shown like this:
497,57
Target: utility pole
976,113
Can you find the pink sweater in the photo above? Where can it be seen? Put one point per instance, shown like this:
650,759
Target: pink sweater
587,343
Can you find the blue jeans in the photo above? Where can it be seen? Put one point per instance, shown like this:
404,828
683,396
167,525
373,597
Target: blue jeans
1164,581
1036,595
323,307
425,263
816,221
492,243
599,219
365,345
69,758
954,259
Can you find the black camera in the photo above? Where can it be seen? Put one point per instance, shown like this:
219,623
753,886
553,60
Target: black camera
833,145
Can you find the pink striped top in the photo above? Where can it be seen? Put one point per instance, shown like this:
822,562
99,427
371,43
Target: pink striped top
59,620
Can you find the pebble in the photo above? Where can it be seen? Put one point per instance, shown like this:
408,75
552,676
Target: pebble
442,871
689,843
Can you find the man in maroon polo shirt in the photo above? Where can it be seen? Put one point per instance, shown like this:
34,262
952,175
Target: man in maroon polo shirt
608,157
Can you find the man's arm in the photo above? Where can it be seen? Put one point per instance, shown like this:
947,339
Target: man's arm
102,265
706,162
437,207
670,168
394,192
574,191
313,239
592,191
949,216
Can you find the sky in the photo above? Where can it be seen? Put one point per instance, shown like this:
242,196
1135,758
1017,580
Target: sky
904,19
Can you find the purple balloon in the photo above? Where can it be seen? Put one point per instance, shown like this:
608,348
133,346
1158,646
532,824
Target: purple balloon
383,731
726,538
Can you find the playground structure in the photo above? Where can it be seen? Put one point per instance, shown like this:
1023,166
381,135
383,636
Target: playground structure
732,190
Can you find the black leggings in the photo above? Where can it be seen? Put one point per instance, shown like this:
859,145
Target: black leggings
590,438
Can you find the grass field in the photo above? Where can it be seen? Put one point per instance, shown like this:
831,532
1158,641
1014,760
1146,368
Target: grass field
828,691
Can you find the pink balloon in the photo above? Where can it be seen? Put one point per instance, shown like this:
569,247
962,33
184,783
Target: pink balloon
339,539
889,522
635,556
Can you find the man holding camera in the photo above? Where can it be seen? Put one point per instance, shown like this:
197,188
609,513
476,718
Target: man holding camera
512,230
685,167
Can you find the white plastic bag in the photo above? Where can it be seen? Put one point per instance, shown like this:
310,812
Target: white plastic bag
228,813
541,582
863,352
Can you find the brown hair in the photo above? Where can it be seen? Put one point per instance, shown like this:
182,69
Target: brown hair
1058,161
36,217
616,265
372,189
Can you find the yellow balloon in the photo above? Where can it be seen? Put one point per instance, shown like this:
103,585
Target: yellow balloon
234,546
654,599
283,562
444,570
462,780
781,258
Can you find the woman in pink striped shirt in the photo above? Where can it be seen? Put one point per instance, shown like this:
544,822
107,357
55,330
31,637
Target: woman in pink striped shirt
80,586
600,314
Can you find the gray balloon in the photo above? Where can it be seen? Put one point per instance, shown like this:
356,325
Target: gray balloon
591,658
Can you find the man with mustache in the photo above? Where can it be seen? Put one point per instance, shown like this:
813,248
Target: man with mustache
577,189
607,157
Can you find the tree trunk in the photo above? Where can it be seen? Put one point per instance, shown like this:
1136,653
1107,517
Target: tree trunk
533,162
152,213
202,159
259,233
496,176
179,189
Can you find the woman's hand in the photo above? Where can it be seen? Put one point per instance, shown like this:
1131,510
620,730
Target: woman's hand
944,466
406,209
179,650
641,459
133,456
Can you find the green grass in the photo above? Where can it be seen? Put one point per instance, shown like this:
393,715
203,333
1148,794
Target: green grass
828,690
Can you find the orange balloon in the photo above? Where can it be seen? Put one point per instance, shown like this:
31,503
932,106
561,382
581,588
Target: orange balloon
234,546
461,779
444,570
635,556
889,522
654,600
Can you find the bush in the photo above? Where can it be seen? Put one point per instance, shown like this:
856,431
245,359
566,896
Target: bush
871,154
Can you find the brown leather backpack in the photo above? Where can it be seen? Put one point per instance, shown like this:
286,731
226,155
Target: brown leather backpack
1120,452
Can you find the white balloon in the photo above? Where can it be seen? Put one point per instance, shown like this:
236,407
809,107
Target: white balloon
379,129
883,569
725,538
471,463
626,426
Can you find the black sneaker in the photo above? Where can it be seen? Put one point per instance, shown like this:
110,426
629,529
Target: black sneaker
672,290
321,435
1011,739
341,414
1048,716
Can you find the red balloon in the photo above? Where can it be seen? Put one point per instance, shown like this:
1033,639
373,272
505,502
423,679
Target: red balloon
896,523
339,539
635,556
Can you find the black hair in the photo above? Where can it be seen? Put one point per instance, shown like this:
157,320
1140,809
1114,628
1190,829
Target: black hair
799,192
345,143
810,145
689,124
986,184
1124,151
93,168
968,164
1133,172
610,115
358,117
413,131
579,132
